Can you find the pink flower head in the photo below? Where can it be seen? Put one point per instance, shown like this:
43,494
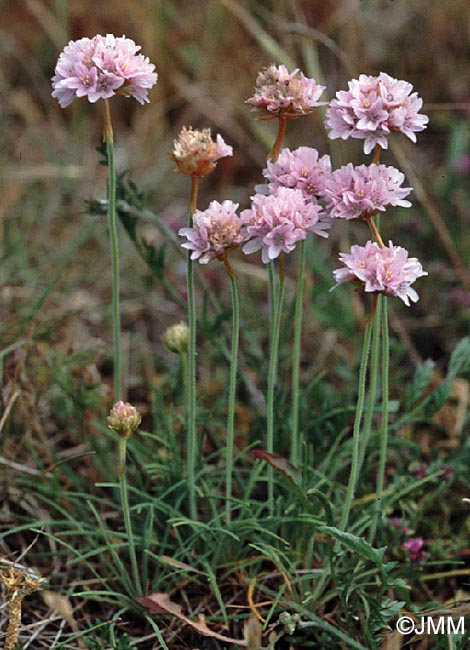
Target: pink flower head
414,546
301,169
196,153
279,92
372,108
359,192
124,418
99,67
214,231
275,223
386,270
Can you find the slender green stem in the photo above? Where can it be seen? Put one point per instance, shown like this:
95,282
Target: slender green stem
272,370
357,427
231,391
373,379
384,435
113,235
295,454
272,298
127,514
184,374
191,442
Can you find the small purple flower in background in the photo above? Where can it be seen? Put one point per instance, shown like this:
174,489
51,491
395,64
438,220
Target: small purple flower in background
414,546
421,471
459,297
301,169
99,67
196,153
447,472
386,270
462,165
280,93
275,223
362,191
397,524
214,231
372,108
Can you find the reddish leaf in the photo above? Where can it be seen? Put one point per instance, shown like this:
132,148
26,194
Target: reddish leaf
281,464
160,603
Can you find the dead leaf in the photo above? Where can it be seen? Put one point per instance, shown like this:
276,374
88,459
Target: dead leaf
160,603
252,632
63,606
281,464
392,641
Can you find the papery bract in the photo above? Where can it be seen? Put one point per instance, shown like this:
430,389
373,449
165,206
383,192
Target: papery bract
124,418
175,338
196,153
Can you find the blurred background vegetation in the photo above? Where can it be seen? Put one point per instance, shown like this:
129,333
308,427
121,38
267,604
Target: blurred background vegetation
207,55
55,275
55,269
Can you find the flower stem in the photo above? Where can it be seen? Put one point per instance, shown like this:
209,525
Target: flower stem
376,154
109,139
191,442
126,513
374,364
357,427
273,361
232,390
375,232
274,153
272,298
295,455
384,436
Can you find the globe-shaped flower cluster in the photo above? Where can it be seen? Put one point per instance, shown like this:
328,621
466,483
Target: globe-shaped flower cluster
361,191
276,222
100,67
386,270
214,231
372,108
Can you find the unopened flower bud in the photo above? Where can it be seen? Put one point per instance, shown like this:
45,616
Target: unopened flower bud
175,338
196,153
124,419
290,621
284,618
